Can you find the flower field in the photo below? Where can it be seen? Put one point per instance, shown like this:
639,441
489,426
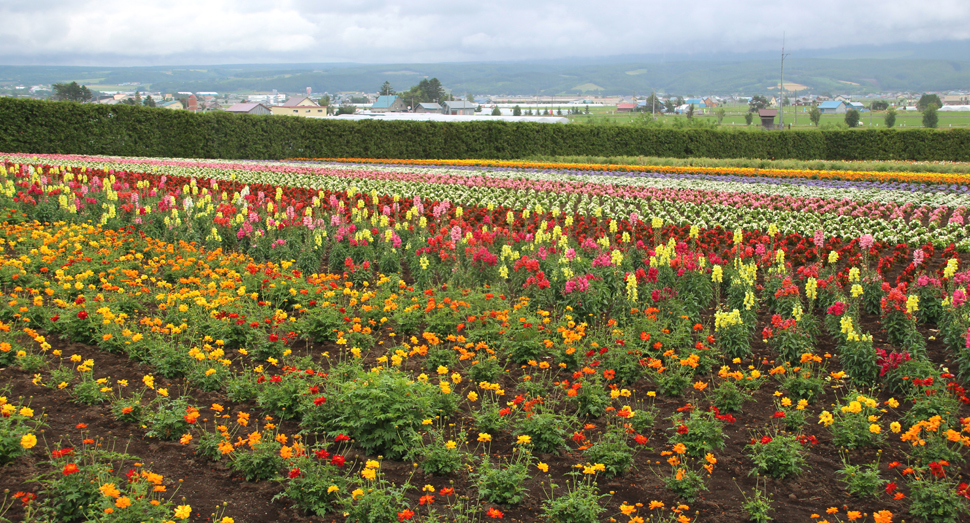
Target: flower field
368,340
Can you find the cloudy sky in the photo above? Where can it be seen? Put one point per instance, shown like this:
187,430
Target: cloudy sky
126,32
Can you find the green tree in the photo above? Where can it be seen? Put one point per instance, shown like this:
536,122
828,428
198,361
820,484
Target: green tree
496,111
470,97
720,112
346,109
890,117
690,111
516,111
930,118
324,101
748,117
879,105
386,89
815,115
852,118
148,101
757,102
927,100
71,92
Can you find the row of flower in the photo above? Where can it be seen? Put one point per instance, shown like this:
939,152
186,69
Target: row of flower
902,177
890,215
407,363
629,302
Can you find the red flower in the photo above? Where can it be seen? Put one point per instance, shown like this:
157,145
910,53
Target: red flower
69,469
337,461
405,514
446,491
320,401
82,315
682,429
765,440
61,453
341,437
427,499
322,454
641,439
779,414
494,513
890,487
294,473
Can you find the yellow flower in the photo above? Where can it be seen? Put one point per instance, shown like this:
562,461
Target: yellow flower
524,439
149,382
892,402
332,488
450,444
370,474
472,396
786,402
542,466
825,418
895,427
163,392
427,421
874,428
26,412
28,441
109,490
484,437
183,511
356,493
371,464
227,519
627,509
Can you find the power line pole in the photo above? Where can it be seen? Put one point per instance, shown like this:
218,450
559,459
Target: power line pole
781,114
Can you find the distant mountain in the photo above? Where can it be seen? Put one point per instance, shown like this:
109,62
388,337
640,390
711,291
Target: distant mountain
937,66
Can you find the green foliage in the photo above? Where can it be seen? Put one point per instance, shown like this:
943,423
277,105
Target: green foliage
851,427
703,432
381,411
376,502
55,128
930,118
15,424
728,397
862,480
71,92
852,118
890,118
503,484
936,499
779,455
927,100
168,420
261,461
579,503
547,430
758,505
613,452
309,485
441,457
815,116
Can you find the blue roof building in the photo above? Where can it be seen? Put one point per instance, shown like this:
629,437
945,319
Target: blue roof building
832,107
388,104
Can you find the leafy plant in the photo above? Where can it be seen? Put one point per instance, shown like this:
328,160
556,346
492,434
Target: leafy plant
547,431
578,504
758,505
862,480
612,451
936,499
778,456
700,432
503,482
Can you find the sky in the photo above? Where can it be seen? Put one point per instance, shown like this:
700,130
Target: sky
184,32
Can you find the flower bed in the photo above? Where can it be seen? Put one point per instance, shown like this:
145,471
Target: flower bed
399,343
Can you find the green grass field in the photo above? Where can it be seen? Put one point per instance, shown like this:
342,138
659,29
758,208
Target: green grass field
797,117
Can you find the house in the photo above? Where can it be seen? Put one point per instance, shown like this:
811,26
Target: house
459,107
832,107
626,107
427,108
955,99
172,104
710,102
698,103
299,106
858,106
389,104
248,108
768,117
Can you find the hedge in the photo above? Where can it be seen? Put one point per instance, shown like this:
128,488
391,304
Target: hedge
35,126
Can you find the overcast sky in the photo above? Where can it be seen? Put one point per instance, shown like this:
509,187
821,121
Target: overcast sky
125,32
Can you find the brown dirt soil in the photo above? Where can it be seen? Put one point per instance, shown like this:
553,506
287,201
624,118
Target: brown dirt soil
206,484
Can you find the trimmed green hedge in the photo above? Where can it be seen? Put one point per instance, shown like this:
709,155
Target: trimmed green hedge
35,126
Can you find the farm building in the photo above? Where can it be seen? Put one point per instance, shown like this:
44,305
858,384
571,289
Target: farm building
832,107
626,107
459,107
767,117
858,106
248,108
299,106
389,104
698,102
172,104
427,108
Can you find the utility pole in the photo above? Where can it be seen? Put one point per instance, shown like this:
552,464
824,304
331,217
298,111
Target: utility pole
781,114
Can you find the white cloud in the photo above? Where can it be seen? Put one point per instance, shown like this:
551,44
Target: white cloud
444,30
